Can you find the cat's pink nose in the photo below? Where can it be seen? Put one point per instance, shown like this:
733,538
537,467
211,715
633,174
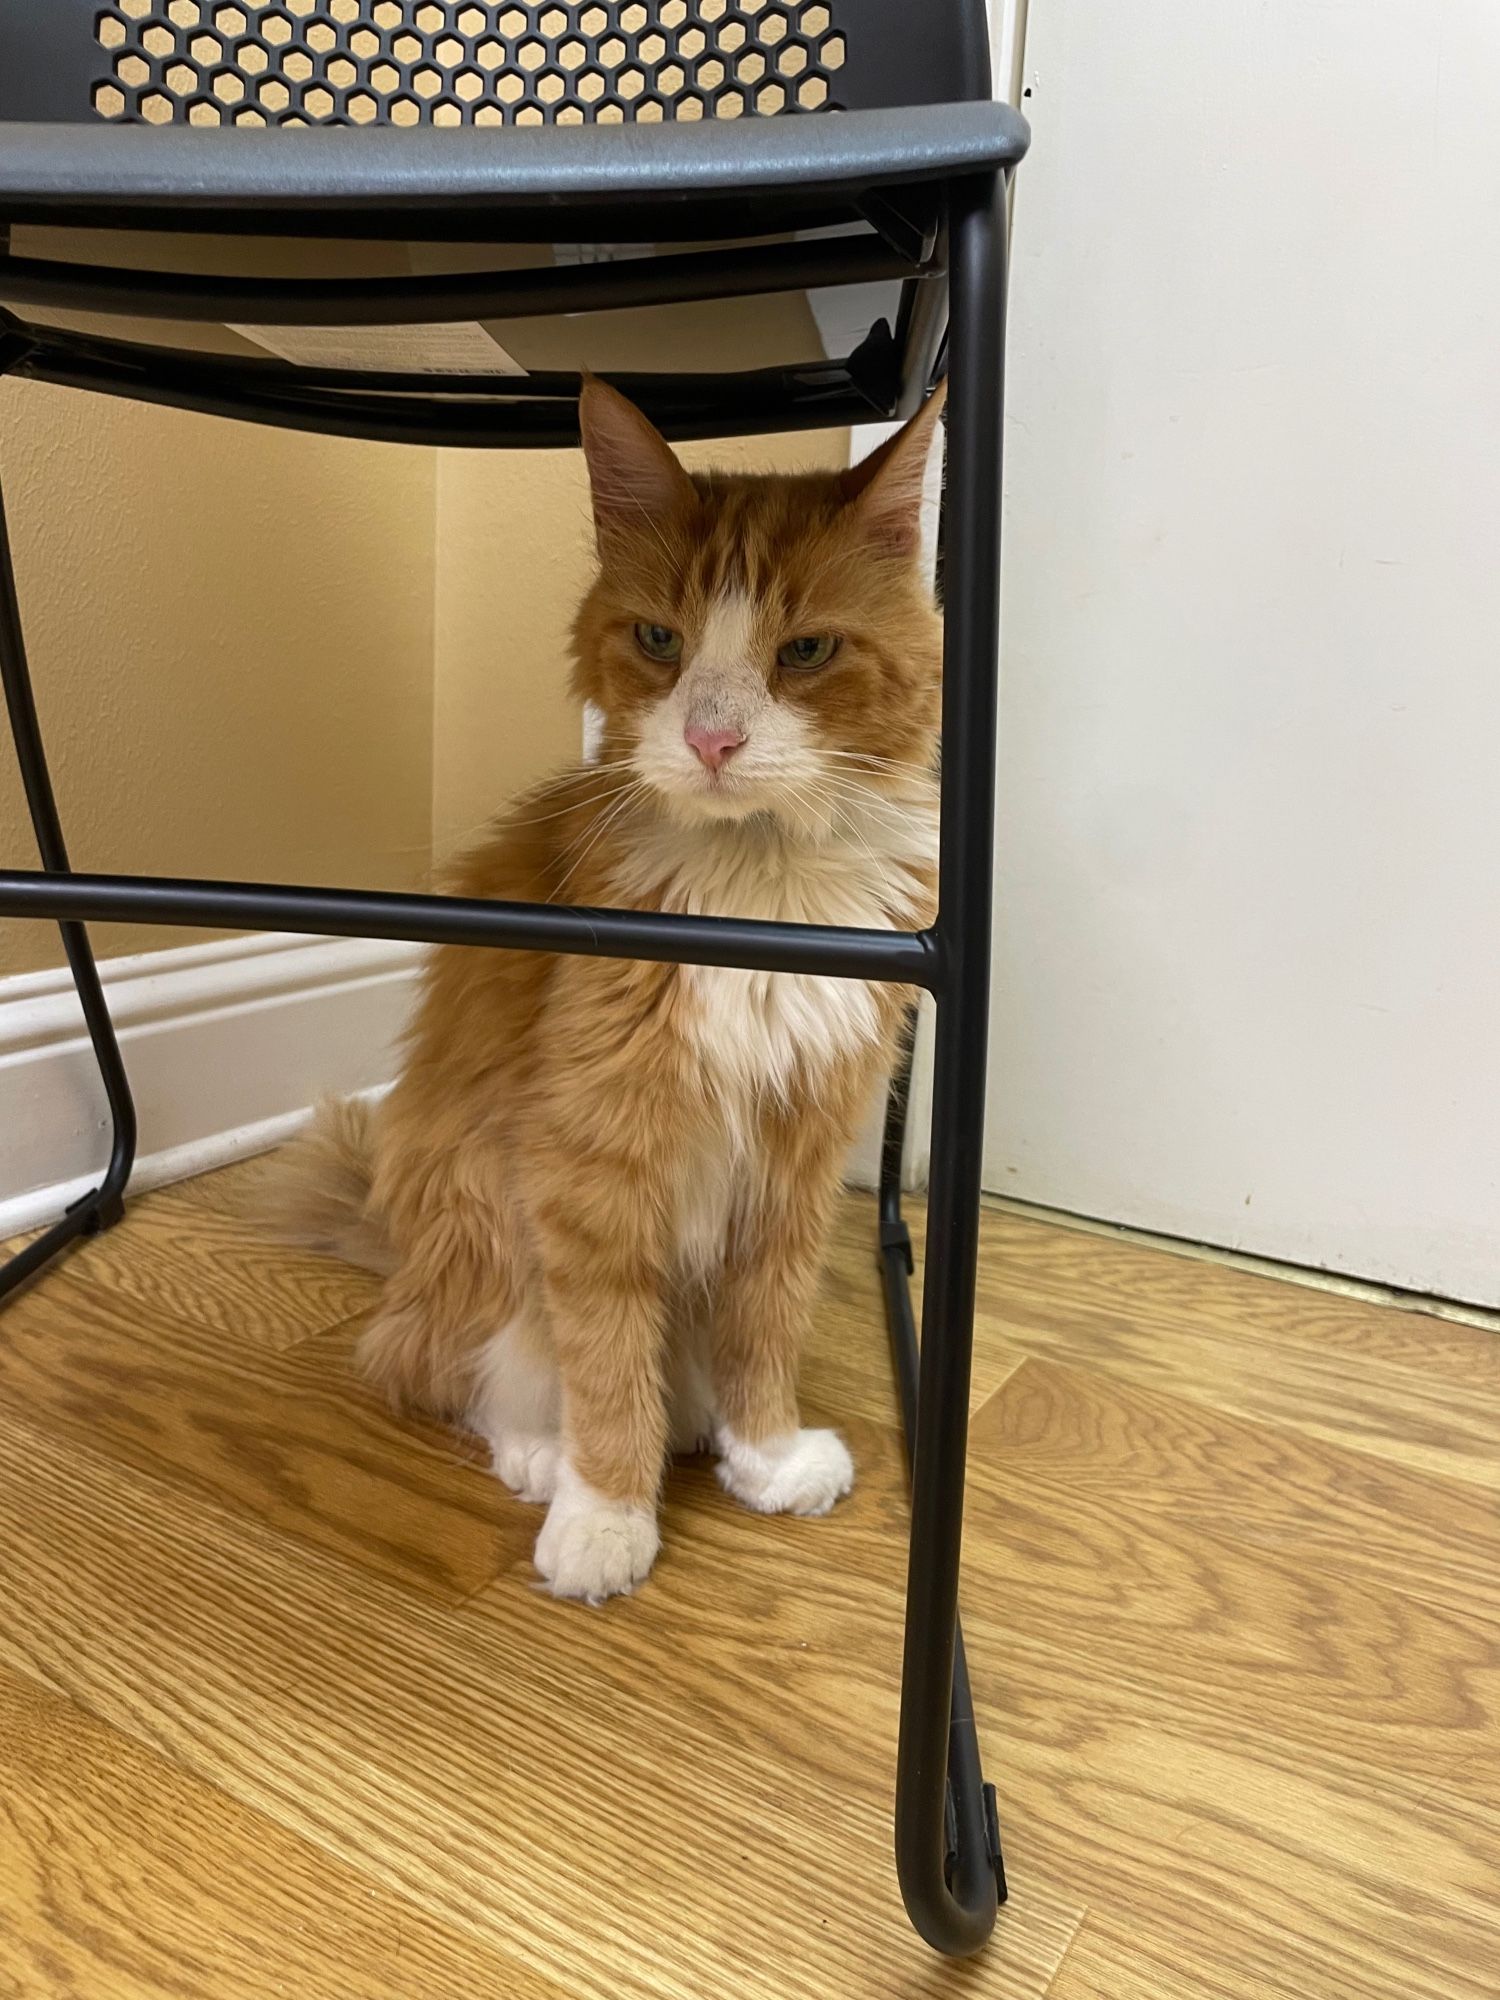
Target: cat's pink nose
714,746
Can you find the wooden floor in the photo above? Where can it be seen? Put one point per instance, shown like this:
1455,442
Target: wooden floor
281,1712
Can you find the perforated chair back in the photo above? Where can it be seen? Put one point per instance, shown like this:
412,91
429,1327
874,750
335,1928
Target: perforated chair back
279,63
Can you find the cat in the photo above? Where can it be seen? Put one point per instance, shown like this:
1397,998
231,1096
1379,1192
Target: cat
599,1190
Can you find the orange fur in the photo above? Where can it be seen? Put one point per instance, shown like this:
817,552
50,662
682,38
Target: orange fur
603,1186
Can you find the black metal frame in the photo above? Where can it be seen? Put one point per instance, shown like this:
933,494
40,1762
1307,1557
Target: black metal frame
885,375
947,1836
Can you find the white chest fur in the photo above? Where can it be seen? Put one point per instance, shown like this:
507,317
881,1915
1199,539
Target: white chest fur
755,1031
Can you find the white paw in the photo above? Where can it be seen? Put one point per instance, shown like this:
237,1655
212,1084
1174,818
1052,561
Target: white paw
527,1465
591,1547
804,1472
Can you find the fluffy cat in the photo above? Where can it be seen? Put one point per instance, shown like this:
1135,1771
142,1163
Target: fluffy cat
600,1188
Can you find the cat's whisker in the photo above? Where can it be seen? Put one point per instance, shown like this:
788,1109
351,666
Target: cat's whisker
850,781
873,799
487,826
579,804
834,813
887,812
851,832
616,799
637,790
604,829
870,761
817,813
585,834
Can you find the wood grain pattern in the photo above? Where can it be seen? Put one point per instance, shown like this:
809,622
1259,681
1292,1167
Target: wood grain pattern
1270,1765
291,1436
1108,1962
518,1776
1047,1265
1395,1384
1296,1875
1262,1484
195,1256
1211,1631
1231,1590
125,1879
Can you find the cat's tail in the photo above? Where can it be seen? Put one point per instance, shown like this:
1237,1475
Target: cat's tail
318,1193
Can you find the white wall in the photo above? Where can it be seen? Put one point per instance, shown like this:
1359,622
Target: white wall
1248,982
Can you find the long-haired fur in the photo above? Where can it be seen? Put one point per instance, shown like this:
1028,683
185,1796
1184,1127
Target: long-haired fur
599,1189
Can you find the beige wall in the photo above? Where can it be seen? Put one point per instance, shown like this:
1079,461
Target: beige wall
512,561
265,656
231,638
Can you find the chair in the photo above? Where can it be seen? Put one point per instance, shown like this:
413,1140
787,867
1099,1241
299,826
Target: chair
884,165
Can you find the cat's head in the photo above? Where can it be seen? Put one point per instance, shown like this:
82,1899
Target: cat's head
758,644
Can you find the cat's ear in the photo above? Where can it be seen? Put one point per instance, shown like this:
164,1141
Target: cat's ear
885,490
633,471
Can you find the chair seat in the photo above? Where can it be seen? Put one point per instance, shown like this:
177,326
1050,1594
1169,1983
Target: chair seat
511,182
736,339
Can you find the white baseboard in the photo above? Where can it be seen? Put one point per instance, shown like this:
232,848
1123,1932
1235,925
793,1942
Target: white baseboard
227,1046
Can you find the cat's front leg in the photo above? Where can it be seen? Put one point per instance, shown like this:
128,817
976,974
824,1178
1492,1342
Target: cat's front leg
599,1146
606,1310
766,1292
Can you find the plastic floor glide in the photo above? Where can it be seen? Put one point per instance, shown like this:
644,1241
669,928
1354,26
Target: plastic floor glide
732,128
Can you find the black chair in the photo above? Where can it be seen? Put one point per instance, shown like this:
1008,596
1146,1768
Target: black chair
597,124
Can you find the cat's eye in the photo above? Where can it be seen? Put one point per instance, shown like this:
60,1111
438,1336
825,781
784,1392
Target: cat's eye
659,642
804,655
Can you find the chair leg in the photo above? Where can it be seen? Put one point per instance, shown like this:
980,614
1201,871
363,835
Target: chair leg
102,1206
947,1837
970,1810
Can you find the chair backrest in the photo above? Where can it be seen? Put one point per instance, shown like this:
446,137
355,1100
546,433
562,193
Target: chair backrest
457,62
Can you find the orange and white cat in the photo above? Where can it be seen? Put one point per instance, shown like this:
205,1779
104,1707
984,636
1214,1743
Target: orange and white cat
600,1189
